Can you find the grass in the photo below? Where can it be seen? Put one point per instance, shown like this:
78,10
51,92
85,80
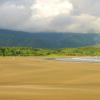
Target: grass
34,78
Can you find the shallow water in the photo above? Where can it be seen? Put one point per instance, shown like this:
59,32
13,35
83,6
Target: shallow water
80,59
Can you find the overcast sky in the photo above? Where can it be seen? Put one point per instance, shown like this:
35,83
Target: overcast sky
50,15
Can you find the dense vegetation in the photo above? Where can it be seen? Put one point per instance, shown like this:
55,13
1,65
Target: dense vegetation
26,51
10,38
18,43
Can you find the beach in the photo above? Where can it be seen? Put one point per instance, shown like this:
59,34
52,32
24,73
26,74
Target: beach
36,78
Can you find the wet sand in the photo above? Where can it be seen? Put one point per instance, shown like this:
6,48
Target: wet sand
34,78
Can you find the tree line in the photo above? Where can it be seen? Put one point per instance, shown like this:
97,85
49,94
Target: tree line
29,51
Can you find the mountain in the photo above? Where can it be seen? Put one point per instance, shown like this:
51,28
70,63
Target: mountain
47,39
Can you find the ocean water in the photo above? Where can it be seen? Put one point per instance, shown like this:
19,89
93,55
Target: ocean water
79,59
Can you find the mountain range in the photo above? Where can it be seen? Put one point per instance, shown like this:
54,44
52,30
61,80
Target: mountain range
10,38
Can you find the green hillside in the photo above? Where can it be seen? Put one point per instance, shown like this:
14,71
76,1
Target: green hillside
10,38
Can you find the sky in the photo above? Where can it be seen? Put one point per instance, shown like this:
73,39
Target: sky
50,15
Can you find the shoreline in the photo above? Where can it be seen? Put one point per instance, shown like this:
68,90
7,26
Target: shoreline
90,59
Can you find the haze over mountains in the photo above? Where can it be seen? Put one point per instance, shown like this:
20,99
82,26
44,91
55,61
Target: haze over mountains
47,39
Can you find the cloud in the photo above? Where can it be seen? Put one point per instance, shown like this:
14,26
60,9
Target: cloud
50,15
51,8
12,15
43,12
18,2
90,7
82,23
85,23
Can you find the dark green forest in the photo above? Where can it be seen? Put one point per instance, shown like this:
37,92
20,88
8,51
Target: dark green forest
29,51
10,38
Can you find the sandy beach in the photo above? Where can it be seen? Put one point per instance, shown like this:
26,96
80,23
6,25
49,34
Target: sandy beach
35,78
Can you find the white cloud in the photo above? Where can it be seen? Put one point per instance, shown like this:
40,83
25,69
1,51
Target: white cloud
43,12
50,15
52,8
85,23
